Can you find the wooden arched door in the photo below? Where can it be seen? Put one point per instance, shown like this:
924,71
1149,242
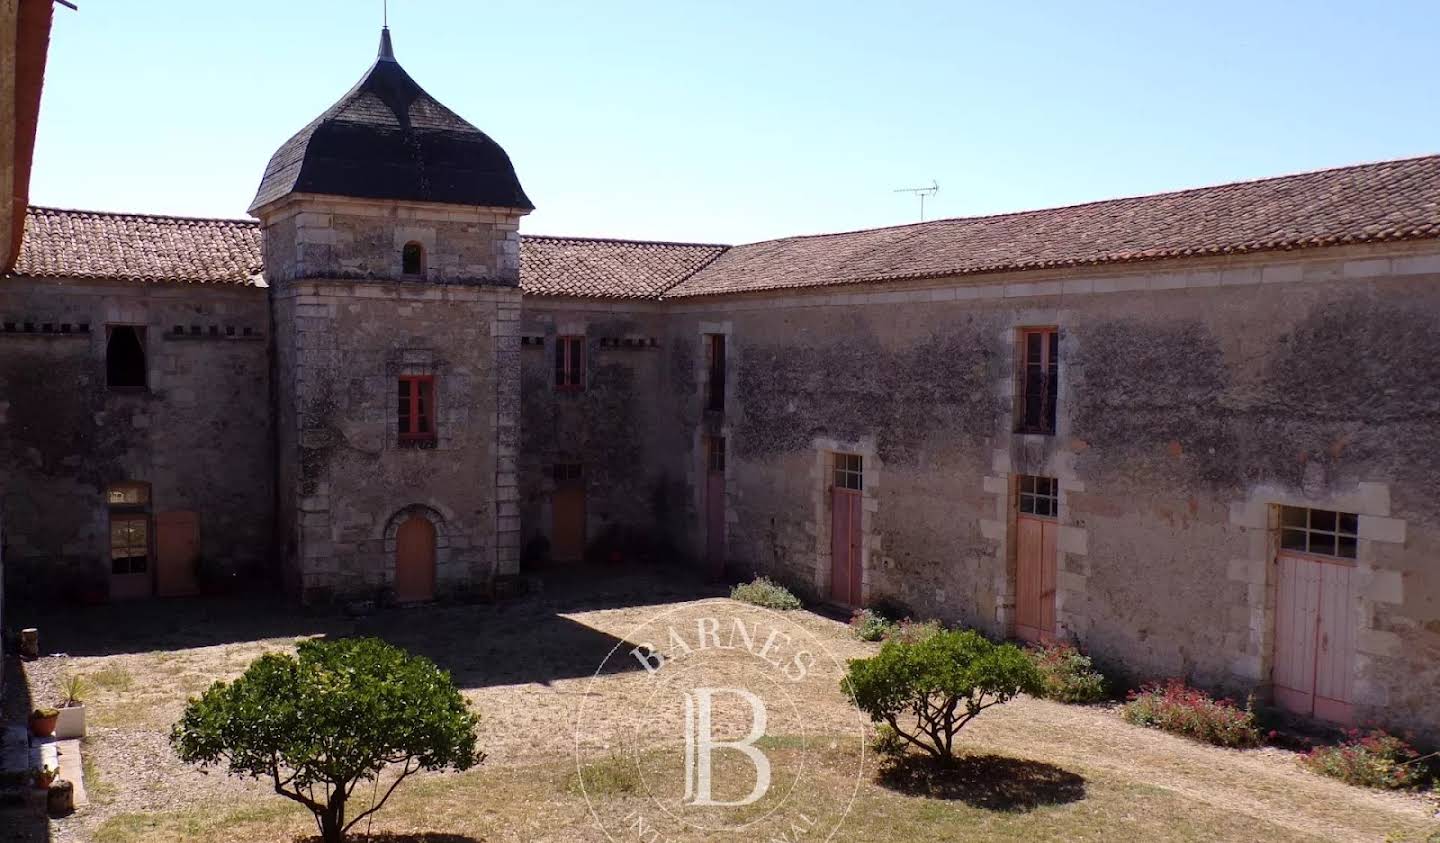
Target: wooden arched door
415,560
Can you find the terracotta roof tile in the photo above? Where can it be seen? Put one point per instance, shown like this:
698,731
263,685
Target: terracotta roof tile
574,266
1392,200
138,247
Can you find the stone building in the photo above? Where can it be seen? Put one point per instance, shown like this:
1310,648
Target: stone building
1195,432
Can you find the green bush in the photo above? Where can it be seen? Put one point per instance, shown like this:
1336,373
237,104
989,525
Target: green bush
1068,674
336,713
1370,759
1174,707
763,591
870,625
942,681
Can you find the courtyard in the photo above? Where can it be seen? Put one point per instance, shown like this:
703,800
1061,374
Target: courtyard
1035,770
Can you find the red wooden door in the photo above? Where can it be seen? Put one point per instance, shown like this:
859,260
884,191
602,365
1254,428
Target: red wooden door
1314,671
1035,578
845,559
177,550
415,560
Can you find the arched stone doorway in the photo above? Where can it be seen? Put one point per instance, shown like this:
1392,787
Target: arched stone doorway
415,559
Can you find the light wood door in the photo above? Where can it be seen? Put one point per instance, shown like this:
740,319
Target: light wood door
846,571
415,560
1314,670
567,513
1035,578
177,552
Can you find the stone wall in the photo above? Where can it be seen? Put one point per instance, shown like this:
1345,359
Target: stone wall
334,238
1194,398
611,427
200,434
347,480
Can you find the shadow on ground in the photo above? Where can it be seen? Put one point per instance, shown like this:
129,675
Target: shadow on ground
21,820
527,639
425,837
993,782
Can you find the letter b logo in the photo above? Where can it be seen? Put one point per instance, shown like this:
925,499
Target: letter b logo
700,743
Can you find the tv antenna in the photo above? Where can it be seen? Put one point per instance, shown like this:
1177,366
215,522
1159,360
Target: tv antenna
922,192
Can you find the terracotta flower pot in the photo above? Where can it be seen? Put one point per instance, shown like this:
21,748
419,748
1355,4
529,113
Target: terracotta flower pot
43,727
43,779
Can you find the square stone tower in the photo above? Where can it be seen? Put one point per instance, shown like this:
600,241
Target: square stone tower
391,245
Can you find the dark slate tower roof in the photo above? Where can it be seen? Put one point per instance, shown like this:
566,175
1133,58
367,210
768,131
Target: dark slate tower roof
388,139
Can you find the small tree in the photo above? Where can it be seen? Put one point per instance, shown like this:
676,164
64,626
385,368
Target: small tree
334,715
942,681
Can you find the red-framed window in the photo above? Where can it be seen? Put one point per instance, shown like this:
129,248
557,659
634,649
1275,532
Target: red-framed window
570,363
1039,379
417,408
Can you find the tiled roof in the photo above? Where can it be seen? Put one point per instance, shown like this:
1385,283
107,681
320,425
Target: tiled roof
1392,200
1389,201
574,266
138,247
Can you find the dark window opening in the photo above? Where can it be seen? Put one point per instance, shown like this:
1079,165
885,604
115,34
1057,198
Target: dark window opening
568,473
1319,531
715,382
1039,379
417,409
849,472
716,457
125,357
1039,496
412,259
570,363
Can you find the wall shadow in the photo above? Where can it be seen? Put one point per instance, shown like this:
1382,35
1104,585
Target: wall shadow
526,639
992,782
20,820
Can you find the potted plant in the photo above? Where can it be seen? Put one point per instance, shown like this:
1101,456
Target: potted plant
44,776
42,722
71,723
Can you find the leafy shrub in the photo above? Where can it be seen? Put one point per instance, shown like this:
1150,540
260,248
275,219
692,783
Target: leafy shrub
943,681
887,741
870,625
336,713
1068,674
1369,759
765,592
1175,707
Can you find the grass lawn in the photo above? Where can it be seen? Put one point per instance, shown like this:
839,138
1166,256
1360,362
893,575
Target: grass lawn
1035,770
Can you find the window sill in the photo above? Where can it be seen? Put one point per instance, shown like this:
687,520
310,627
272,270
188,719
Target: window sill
1028,431
427,444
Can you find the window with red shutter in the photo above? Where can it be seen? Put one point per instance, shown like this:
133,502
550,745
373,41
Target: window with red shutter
417,410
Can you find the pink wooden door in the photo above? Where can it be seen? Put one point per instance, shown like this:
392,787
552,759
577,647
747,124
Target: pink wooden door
177,552
715,521
1035,578
1313,673
845,561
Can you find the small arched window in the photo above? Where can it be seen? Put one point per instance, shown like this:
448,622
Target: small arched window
412,259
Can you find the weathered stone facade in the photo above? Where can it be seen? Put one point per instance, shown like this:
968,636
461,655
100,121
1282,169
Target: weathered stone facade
349,324
199,435
1195,398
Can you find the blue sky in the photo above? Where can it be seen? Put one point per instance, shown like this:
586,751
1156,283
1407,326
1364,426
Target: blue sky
739,120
